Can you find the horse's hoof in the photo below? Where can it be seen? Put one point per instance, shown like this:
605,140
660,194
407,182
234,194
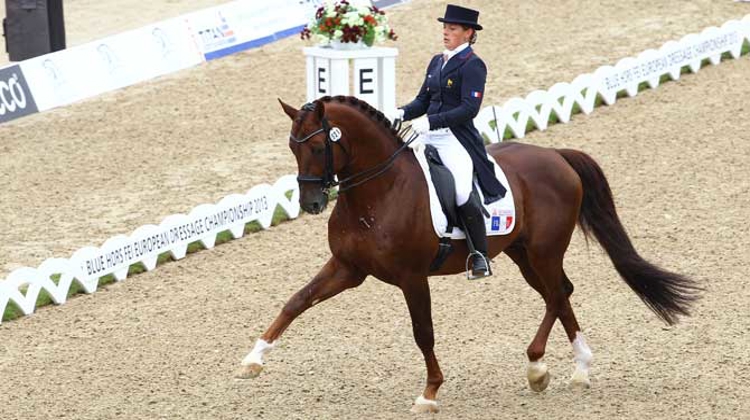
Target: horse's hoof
249,371
538,376
580,380
423,405
424,408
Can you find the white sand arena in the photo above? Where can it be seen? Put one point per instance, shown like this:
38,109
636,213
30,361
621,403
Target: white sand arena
166,344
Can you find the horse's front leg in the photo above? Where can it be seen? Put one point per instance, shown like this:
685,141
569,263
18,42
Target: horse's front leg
333,278
417,294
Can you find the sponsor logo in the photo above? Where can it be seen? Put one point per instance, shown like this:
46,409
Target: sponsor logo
53,72
109,57
16,99
501,220
12,95
162,41
218,36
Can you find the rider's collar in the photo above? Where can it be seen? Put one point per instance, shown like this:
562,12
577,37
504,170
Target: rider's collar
451,53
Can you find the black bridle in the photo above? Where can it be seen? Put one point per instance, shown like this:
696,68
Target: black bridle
328,180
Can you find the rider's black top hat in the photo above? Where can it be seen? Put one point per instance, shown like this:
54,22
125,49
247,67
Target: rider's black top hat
462,16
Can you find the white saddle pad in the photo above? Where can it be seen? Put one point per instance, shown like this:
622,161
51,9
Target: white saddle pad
502,218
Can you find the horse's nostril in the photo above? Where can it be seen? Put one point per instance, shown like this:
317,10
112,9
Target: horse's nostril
316,207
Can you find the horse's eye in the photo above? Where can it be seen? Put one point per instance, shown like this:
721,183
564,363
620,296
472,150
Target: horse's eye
318,150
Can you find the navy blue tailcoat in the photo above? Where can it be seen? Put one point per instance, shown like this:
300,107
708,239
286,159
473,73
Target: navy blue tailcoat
451,97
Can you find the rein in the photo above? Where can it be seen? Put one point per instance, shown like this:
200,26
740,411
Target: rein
327,181
378,169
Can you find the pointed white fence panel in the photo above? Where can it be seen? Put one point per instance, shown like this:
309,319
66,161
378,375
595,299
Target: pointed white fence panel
115,257
521,114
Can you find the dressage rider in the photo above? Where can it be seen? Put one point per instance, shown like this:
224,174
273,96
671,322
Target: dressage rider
451,96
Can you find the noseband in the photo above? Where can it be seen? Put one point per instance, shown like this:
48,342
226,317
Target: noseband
327,181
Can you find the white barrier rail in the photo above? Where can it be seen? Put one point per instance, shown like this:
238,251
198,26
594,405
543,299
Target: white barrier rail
627,75
88,265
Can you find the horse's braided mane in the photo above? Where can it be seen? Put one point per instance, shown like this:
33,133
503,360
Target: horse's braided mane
367,109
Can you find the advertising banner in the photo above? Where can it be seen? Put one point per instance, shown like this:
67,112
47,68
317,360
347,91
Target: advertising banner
110,63
240,25
16,99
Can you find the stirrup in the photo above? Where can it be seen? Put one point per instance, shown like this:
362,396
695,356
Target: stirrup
473,274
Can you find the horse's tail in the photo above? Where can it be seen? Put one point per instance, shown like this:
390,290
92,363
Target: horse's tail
667,294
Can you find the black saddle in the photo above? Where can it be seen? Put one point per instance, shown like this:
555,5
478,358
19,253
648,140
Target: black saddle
445,187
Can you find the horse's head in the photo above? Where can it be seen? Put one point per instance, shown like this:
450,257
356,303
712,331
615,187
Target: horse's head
314,142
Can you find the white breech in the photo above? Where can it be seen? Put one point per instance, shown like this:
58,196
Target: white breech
455,158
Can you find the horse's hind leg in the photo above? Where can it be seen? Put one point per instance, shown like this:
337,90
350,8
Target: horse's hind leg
549,270
333,278
537,372
581,352
417,294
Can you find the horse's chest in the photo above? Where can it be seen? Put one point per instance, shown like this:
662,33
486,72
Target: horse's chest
366,236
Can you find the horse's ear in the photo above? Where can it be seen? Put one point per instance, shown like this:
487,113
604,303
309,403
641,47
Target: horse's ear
288,109
320,110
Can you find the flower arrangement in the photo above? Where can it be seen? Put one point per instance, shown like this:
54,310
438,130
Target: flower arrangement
345,23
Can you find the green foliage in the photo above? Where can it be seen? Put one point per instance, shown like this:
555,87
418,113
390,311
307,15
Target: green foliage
553,118
12,311
599,101
134,269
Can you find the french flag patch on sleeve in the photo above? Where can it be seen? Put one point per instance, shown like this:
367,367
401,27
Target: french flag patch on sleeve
476,94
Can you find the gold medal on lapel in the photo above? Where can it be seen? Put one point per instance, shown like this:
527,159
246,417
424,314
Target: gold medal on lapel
450,84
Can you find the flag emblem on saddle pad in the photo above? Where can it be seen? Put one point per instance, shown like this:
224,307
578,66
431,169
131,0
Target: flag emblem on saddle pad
495,223
476,94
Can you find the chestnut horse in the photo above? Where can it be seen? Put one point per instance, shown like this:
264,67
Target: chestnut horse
381,226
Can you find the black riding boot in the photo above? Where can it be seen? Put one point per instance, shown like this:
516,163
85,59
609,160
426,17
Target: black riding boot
473,220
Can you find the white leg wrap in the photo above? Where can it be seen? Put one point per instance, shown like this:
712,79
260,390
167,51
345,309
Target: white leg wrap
256,356
536,369
582,355
421,400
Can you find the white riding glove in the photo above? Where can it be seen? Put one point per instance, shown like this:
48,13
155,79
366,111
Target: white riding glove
421,125
396,114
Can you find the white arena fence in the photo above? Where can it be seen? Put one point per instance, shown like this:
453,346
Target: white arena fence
88,265
115,257
535,110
